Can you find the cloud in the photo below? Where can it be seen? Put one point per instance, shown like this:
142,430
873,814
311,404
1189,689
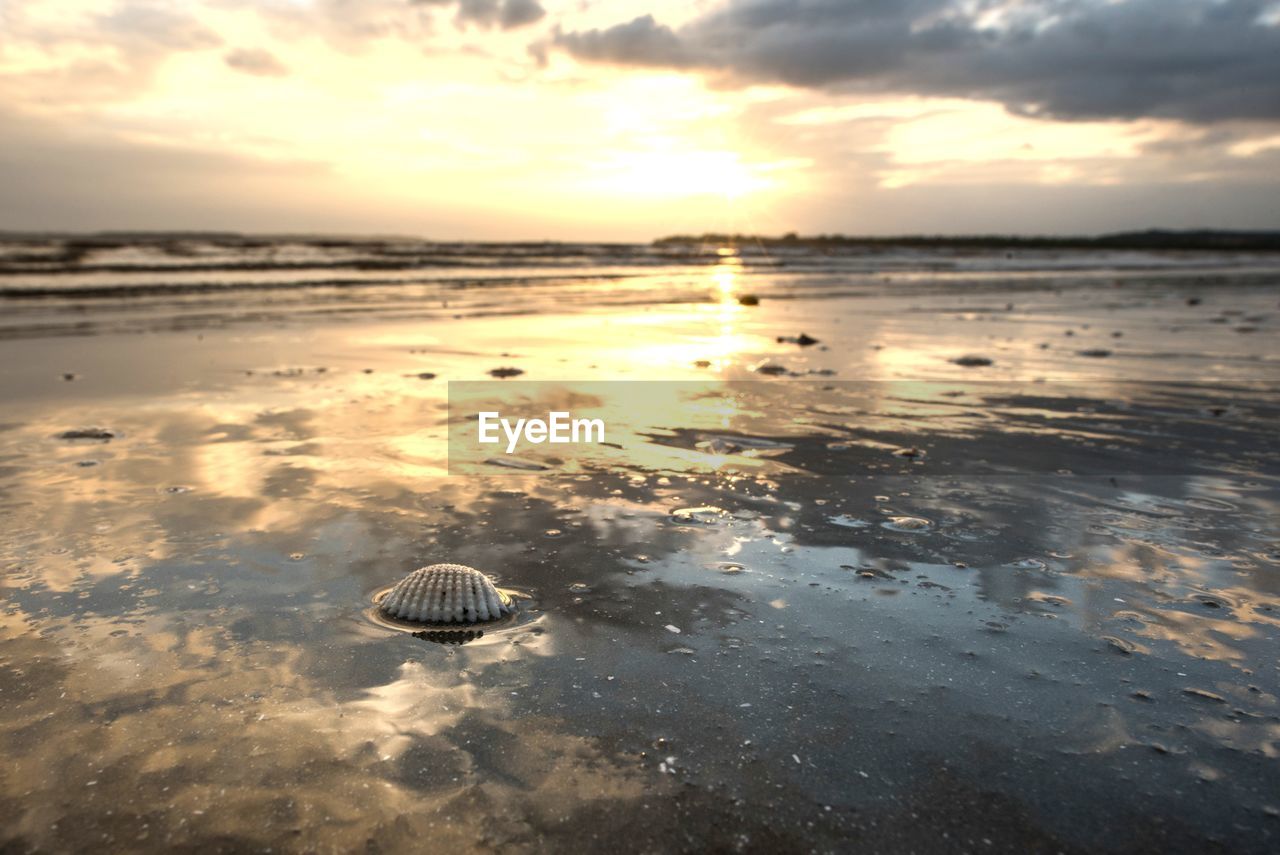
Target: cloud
256,61
640,42
63,176
520,13
1200,61
155,27
92,57
76,174
507,14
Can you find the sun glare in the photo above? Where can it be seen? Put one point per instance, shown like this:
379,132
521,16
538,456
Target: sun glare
675,174
725,273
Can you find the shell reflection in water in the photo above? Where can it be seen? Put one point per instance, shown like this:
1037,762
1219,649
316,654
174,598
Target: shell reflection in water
446,594
449,636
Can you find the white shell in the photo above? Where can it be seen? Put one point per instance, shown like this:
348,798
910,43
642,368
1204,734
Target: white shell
445,593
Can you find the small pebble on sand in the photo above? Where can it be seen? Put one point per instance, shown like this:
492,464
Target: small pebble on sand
971,361
804,340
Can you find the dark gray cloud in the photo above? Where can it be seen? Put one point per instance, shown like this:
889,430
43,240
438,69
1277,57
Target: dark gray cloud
519,13
257,61
1197,60
640,42
507,14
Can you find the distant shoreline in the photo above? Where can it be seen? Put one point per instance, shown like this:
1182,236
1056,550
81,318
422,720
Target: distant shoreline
1199,240
1153,239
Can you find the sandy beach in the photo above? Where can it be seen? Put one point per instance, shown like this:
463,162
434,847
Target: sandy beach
991,557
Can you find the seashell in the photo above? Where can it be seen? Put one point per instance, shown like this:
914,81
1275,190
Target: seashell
445,593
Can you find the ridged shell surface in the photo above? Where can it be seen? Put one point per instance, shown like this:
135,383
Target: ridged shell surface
445,593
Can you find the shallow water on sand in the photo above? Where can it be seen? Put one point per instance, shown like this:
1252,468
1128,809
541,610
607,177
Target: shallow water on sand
758,625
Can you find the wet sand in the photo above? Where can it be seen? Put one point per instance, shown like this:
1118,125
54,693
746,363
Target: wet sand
922,606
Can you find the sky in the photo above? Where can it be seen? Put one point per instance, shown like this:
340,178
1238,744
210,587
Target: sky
621,120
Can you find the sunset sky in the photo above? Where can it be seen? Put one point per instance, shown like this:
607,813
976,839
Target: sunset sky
495,119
